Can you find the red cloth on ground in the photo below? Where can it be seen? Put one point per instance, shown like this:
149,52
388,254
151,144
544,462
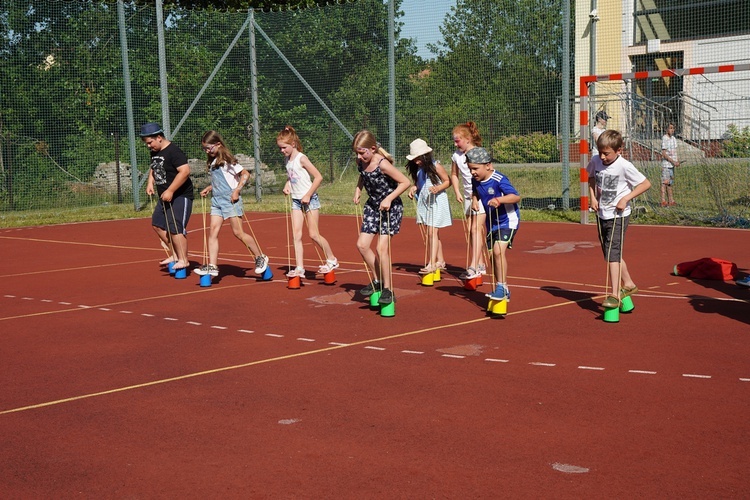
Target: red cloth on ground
707,268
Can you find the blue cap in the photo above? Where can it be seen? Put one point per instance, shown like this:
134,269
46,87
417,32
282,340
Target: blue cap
151,128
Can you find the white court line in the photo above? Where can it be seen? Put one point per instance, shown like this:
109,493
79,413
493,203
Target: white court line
246,331
591,368
642,372
695,375
126,312
302,339
170,319
375,348
193,323
493,360
413,352
537,363
454,356
276,335
217,327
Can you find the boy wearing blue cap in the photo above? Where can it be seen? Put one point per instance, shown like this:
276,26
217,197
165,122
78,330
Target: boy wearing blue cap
169,176
500,200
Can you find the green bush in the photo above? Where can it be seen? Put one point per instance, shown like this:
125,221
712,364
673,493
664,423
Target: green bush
531,148
738,143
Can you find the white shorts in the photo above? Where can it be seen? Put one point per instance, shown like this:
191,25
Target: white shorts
467,207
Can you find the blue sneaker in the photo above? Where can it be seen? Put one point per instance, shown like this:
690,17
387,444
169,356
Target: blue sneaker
744,281
501,293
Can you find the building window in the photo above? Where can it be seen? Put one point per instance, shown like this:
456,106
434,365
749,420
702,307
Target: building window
685,19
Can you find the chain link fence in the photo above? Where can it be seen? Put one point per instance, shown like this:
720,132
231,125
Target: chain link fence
64,135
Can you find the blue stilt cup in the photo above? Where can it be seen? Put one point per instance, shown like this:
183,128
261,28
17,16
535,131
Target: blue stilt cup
267,274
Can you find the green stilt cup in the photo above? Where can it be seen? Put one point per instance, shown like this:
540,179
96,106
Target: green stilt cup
374,298
388,310
612,314
626,305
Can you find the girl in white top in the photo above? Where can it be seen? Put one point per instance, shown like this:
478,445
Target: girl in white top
465,137
305,202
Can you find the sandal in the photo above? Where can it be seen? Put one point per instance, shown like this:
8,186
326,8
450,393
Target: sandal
628,291
296,272
428,269
441,266
329,266
610,302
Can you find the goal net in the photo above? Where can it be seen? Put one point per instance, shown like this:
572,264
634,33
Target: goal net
710,110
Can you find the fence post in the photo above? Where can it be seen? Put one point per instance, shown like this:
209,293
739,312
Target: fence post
254,100
134,173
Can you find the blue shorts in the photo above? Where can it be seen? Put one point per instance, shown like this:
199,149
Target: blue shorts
503,234
667,175
173,215
225,208
313,205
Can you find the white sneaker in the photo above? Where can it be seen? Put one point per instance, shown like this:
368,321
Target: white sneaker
261,263
207,269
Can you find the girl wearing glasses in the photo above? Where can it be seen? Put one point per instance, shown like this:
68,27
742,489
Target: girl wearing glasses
227,180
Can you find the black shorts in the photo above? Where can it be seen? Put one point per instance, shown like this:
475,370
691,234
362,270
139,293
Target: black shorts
174,214
504,235
612,236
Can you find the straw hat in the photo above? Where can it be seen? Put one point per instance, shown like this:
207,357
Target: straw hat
418,147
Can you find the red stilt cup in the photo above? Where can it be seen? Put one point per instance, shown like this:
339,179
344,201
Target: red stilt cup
330,277
295,282
472,283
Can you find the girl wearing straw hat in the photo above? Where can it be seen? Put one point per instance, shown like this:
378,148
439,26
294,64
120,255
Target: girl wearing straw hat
433,208
382,212
227,179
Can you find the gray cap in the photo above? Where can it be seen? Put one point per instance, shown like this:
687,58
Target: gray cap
478,155
151,128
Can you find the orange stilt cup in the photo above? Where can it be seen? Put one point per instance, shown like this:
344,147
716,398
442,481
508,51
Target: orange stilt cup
329,278
472,283
295,282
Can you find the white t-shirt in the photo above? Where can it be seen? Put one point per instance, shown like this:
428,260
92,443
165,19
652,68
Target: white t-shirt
669,144
299,180
459,158
231,173
613,181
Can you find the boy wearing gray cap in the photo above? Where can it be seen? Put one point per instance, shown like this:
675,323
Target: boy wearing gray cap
500,200
169,176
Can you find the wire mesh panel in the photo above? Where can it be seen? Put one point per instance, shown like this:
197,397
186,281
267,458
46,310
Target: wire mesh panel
694,147
325,71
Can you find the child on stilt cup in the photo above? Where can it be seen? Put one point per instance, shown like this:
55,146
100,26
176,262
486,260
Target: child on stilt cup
384,184
500,201
613,183
433,209
303,180
228,178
